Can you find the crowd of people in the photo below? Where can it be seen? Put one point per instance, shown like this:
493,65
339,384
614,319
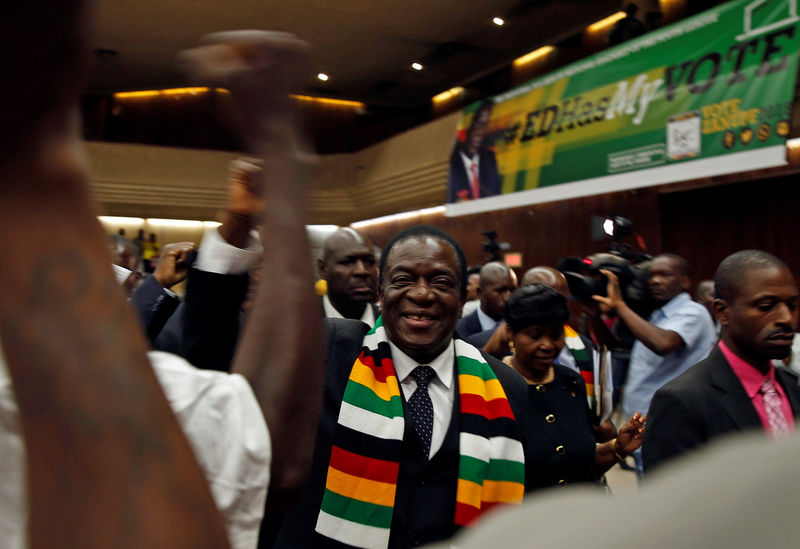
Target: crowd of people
373,416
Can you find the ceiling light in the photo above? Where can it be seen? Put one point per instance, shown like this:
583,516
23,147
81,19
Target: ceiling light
445,95
497,21
416,66
606,22
322,76
532,56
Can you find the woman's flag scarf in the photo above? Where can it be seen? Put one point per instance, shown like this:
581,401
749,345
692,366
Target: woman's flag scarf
358,502
581,355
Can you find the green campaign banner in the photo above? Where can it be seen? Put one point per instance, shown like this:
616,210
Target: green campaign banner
708,95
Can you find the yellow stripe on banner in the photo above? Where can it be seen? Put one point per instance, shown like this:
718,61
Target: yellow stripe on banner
489,390
569,332
590,389
363,375
502,491
362,489
469,493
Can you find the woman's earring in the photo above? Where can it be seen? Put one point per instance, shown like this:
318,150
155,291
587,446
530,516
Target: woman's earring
511,346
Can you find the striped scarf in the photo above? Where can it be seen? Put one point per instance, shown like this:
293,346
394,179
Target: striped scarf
584,362
358,502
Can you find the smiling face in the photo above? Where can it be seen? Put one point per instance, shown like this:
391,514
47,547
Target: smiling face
758,322
536,347
421,296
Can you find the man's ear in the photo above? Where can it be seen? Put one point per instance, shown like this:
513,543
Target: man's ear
721,311
322,268
686,283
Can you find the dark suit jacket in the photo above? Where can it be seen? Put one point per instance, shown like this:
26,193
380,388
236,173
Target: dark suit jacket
425,499
469,325
154,305
458,181
703,403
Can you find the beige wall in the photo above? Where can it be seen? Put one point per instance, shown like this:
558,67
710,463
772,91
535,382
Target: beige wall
406,172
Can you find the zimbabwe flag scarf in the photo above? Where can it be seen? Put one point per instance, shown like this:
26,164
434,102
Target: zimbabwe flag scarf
358,502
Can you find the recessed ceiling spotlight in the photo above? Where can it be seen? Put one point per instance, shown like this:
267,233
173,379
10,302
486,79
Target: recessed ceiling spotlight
497,21
322,76
416,66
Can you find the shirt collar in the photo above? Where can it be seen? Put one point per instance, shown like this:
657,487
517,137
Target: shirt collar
442,364
675,304
331,312
748,375
487,322
467,158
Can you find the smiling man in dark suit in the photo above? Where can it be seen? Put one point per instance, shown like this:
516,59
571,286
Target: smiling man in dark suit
737,387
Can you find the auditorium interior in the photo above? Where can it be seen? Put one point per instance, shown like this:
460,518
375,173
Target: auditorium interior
397,76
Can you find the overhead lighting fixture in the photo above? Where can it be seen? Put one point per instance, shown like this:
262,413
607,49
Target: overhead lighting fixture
449,94
606,22
168,91
184,91
416,66
398,217
116,220
532,56
498,21
322,76
187,223
130,95
329,101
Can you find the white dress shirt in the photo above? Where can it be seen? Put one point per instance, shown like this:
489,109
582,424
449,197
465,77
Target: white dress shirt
367,318
442,388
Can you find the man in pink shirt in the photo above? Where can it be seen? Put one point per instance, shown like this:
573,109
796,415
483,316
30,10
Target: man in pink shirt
736,388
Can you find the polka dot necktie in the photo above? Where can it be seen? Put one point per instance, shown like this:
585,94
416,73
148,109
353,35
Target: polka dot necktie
772,403
421,406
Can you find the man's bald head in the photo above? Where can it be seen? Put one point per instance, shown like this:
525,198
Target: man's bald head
348,265
549,277
344,238
497,281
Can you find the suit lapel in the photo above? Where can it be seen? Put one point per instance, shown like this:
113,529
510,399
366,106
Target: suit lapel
788,381
731,394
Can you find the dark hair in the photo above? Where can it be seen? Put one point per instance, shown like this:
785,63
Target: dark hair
731,272
535,304
682,264
421,231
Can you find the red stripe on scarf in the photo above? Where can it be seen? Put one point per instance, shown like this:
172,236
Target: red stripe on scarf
378,371
465,514
588,377
364,467
492,409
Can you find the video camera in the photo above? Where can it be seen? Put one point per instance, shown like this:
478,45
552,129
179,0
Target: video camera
631,267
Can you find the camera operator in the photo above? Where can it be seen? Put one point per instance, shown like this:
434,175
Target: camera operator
675,336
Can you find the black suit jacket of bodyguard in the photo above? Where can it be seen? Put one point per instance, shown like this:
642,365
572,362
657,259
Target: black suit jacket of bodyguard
703,403
343,339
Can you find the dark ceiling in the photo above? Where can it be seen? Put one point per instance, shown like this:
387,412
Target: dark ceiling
366,46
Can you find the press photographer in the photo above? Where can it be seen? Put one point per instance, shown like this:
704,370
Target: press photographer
678,334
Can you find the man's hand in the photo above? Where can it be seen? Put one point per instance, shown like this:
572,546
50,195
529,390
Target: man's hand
258,67
171,265
245,200
497,346
244,192
613,298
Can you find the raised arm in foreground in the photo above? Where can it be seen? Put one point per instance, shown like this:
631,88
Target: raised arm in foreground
107,464
280,352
